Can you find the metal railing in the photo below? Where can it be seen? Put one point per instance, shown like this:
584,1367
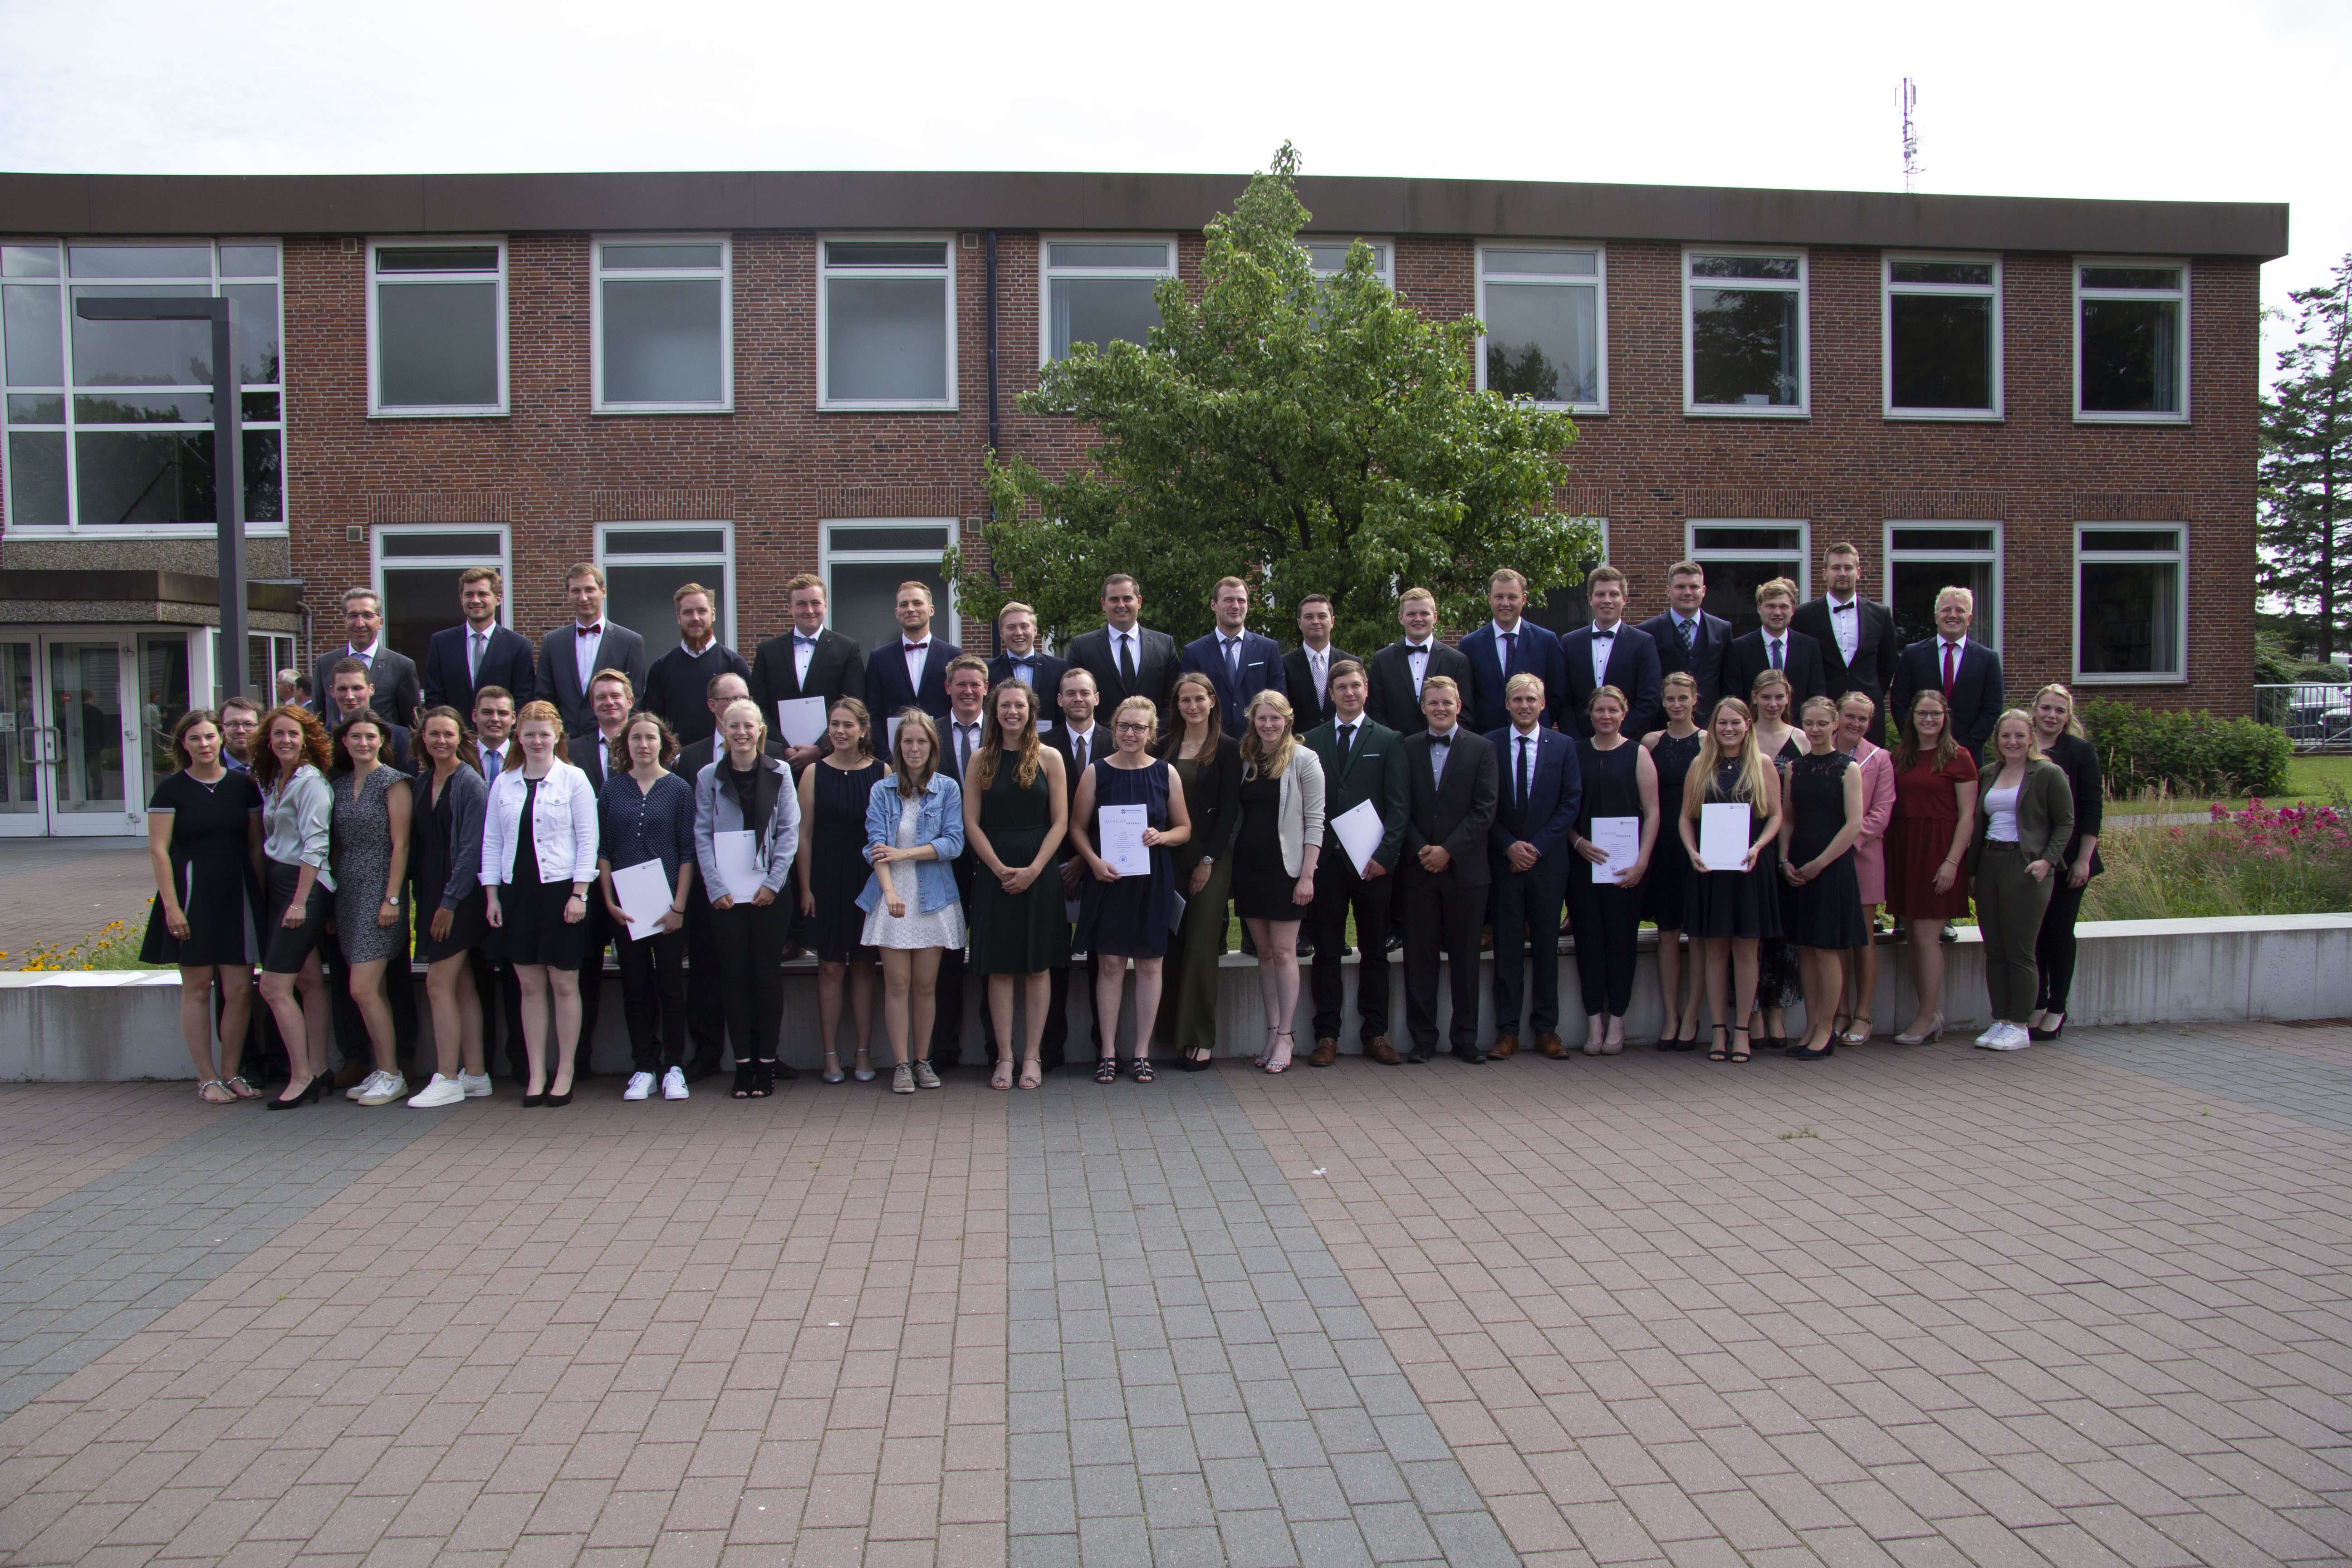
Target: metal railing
2316,714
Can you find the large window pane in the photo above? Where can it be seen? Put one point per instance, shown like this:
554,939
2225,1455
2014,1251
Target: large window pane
2131,355
1542,343
1731,588
163,702
1942,348
1744,347
1102,311
140,261
662,341
642,598
254,332
37,478
2130,612
1916,583
142,476
885,339
142,354
437,346
419,601
865,598
36,348
263,452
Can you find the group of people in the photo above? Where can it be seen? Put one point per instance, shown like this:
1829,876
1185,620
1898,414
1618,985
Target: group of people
507,815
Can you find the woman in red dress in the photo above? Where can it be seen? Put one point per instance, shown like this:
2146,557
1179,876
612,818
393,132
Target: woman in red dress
1935,813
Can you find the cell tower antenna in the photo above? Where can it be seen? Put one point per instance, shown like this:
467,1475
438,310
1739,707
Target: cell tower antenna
1909,97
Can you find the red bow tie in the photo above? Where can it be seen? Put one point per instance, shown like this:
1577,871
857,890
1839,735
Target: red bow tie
917,646
597,630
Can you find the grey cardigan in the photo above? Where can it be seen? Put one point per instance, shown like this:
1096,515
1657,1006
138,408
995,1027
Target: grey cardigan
2045,812
716,812
469,803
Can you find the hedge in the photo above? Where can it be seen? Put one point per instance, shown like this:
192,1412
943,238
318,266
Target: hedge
2188,753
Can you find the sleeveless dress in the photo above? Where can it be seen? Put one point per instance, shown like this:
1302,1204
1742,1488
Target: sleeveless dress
1733,903
837,868
1261,886
214,875
1662,890
1027,932
1780,978
1130,918
363,858
1827,911
433,831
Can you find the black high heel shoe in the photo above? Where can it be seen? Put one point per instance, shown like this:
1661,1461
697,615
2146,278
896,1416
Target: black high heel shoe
1799,1053
1721,1053
742,1090
533,1102
763,1079
1679,1041
1747,1054
309,1095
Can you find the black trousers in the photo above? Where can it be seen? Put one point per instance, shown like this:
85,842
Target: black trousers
1526,915
705,1006
493,979
750,943
652,997
592,979
1337,889
1440,912
1608,924
947,1019
2053,951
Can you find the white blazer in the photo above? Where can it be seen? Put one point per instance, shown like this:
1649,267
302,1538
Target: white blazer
562,826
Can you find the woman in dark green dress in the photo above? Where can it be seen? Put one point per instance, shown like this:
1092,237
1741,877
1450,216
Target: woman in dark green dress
1209,767
1014,815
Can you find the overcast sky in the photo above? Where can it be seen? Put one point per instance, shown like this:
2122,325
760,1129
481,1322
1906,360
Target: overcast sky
2155,100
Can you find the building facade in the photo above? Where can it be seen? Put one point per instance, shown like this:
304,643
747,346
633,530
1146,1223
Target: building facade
735,378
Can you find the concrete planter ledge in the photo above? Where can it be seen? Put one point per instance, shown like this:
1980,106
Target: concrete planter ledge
119,1024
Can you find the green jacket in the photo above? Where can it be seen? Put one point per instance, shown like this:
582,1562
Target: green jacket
1375,772
2045,813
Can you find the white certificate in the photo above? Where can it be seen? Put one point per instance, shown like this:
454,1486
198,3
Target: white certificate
1122,839
645,894
800,721
1621,837
1723,833
1361,831
737,855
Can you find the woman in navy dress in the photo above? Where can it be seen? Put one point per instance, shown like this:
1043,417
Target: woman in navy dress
1821,899
204,835
1128,916
835,791
1730,908
1672,752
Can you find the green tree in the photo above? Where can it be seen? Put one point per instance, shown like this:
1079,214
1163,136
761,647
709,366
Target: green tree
1307,434
2305,468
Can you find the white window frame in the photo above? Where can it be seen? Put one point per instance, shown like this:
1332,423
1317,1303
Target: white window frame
1382,246
597,276
1704,554
375,379
2179,675
653,636
1997,555
2126,417
1803,290
1047,273
378,562
828,556
1599,283
1889,288
947,240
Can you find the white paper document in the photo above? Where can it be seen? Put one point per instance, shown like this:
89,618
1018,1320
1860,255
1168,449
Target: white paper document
1176,915
737,855
1360,830
1620,836
800,721
1122,839
645,894
1723,833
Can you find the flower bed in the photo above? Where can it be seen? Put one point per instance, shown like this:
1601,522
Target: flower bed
2262,860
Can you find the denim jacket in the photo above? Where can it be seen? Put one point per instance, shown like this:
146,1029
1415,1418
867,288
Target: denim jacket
939,821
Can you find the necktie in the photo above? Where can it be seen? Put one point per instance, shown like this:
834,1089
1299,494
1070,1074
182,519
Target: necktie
1347,738
1079,752
474,663
963,748
1948,672
1776,653
1519,788
1687,631
1510,649
1126,662
1233,661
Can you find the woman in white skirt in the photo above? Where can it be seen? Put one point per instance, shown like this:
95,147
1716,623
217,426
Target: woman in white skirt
913,819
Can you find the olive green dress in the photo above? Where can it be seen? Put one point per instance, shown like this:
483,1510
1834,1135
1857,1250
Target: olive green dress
1187,1006
1023,933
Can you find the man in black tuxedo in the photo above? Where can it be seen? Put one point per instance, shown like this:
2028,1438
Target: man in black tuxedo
676,682
1776,646
1238,661
706,997
1857,637
599,753
1610,652
1401,670
912,672
1362,760
461,660
809,660
1307,668
391,675
1454,785
1016,634
1689,639
960,739
1125,659
571,655
1966,671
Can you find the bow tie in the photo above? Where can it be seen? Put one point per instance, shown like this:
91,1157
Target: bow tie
1601,636
1841,609
597,630
916,646
800,641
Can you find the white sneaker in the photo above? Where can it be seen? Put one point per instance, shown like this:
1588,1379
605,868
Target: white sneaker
439,1092
1992,1033
361,1087
674,1084
382,1088
2011,1038
477,1085
924,1076
641,1086
902,1079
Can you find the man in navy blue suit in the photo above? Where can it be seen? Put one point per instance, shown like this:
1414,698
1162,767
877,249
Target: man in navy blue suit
1688,638
1775,646
461,660
1509,645
1016,635
1238,661
1956,664
1535,807
1611,653
913,671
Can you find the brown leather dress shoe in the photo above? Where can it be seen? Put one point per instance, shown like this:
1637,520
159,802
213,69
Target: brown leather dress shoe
1381,1051
1327,1051
1550,1046
353,1072
1506,1044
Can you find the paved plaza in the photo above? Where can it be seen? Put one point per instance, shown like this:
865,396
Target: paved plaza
2081,1304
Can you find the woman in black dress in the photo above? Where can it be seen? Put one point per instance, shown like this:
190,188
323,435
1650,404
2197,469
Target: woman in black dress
2063,743
831,868
203,836
1780,983
538,859
1128,916
447,870
1620,780
1672,752
1730,908
1274,851
1208,763
1015,814
1821,901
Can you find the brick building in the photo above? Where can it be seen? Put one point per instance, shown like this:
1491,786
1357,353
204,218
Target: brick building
734,378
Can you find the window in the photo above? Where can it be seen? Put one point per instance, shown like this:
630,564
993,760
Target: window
1547,337
1943,338
1328,256
2131,610
1923,559
437,328
1740,557
662,335
647,563
2131,339
110,423
1099,291
864,563
162,700
266,653
1564,609
417,571
888,310
1744,334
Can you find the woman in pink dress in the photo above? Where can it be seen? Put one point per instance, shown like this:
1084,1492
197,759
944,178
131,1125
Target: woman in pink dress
1857,716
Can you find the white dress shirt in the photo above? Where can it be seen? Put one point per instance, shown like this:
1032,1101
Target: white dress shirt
963,740
916,655
1024,668
1083,741
804,651
1845,625
1439,748
1604,643
1416,659
583,651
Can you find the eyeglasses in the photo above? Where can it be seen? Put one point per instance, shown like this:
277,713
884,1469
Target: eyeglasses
1132,729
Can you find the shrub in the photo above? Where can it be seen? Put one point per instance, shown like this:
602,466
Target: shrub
2293,861
2188,753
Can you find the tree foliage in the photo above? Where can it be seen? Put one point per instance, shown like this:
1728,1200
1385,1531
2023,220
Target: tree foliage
2307,461
1309,433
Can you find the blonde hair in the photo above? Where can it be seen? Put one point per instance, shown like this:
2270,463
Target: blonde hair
2033,752
1681,678
1256,762
1826,702
991,741
2074,723
1151,713
757,718
1435,682
1523,681
1756,776
1410,595
546,713
1768,678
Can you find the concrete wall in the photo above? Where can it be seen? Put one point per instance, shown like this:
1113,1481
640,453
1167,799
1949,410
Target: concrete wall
124,1025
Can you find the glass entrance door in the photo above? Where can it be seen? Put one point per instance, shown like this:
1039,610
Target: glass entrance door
90,753
86,717
24,808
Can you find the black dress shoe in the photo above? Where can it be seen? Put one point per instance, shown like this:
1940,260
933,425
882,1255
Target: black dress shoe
1470,1054
701,1067
1418,1056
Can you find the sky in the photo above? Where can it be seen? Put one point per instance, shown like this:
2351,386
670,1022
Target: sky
2160,100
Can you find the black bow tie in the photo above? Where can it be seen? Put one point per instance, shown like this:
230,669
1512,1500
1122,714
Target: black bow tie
1603,636
1841,609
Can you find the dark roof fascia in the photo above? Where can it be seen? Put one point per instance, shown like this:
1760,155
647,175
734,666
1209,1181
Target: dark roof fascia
139,587
163,204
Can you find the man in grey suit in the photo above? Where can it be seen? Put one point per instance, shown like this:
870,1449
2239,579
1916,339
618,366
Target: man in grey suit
1125,659
571,655
398,694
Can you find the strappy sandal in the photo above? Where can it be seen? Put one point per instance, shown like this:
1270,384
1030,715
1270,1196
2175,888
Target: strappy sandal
204,1093
1747,1055
1265,1053
1000,1077
239,1087
1198,1058
1032,1073
1279,1060
1858,1036
1140,1071
1721,1053
763,1079
1106,1071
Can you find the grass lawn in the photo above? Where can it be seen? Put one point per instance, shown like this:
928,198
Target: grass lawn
2312,780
